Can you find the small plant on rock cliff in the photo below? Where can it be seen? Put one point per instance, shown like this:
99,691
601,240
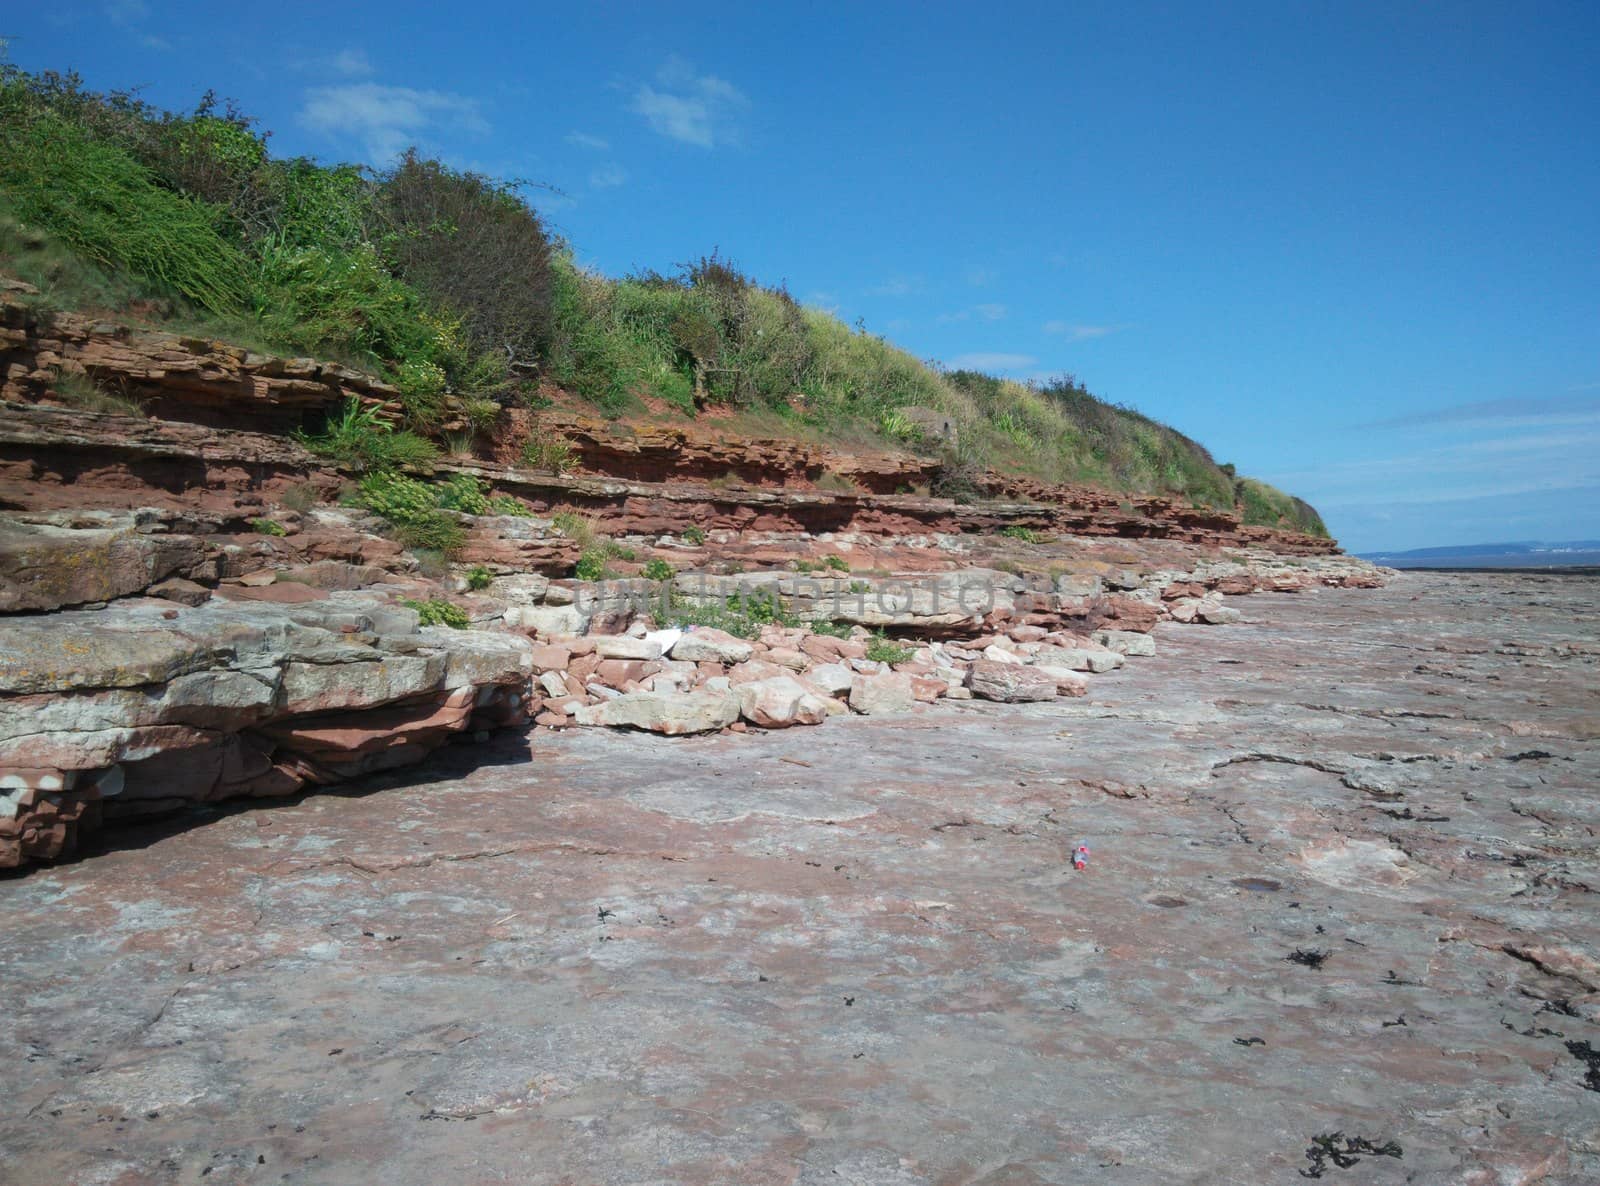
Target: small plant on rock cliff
574,526
544,451
591,565
358,436
81,391
881,650
837,563
693,536
1016,531
506,504
438,612
658,569
479,577
412,508
268,527
461,492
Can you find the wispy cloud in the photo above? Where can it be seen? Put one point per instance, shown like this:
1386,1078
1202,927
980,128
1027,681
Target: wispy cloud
698,109
130,15
898,286
584,140
985,312
1566,409
607,177
982,361
385,120
981,277
1075,332
1504,465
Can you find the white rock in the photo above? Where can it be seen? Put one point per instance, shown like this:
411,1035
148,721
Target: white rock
889,691
706,645
1126,642
623,646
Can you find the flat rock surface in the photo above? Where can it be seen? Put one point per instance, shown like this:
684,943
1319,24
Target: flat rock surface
1342,880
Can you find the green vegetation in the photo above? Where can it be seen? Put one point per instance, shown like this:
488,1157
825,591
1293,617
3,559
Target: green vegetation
544,451
81,391
359,437
479,577
1016,531
837,563
268,527
657,569
740,615
1271,507
448,284
694,536
881,650
413,509
438,612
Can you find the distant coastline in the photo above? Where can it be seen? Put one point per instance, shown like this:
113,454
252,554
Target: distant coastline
1578,555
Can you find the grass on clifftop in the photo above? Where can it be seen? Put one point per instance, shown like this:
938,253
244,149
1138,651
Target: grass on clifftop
447,282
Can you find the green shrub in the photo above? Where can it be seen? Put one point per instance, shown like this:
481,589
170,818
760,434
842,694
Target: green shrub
507,504
694,536
837,563
359,437
591,565
462,492
438,612
472,245
544,451
479,577
412,508
268,527
107,206
831,629
1018,532
657,569
740,616
881,650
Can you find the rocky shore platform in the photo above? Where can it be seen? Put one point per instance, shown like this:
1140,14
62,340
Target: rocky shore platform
1338,921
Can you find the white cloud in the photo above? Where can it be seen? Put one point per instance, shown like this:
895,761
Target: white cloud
897,286
385,120
698,109
981,361
123,13
981,277
607,177
129,15
584,140
1079,333
352,63
990,312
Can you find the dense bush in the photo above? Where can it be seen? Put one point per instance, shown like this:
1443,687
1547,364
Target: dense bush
474,246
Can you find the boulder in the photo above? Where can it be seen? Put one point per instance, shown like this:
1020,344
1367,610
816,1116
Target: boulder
834,679
884,692
622,646
1096,659
1068,682
780,702
1009,683
1126,642
48,561
704,711
706,645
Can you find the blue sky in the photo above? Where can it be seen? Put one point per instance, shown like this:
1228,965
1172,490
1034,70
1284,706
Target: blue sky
1354,249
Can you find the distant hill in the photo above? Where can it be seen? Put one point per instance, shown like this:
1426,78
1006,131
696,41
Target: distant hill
1524,554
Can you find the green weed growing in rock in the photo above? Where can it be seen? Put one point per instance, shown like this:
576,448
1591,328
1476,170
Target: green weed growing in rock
657,569
881,650
268,527
438,612
479,577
